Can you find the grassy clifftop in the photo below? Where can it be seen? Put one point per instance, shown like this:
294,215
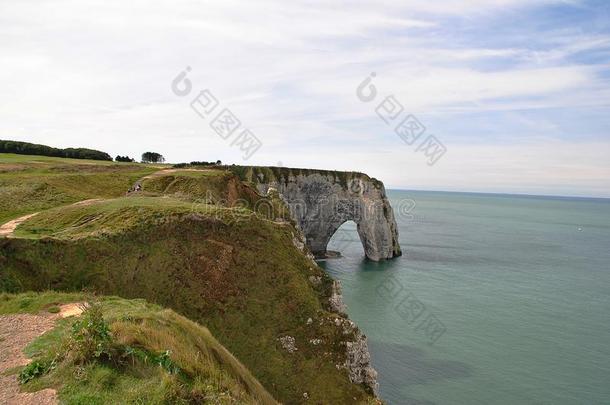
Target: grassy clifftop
241,274
33,183
157,357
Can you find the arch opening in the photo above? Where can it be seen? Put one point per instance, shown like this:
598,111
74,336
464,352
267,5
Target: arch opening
345,241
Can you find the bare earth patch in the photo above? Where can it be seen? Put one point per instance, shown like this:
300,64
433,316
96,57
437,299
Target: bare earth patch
16,332
170,171
74,309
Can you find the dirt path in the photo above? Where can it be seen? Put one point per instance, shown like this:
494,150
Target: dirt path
16,332
85,203
168,171
8,229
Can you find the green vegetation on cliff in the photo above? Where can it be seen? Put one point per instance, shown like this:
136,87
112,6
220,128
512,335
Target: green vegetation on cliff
144,354
193,242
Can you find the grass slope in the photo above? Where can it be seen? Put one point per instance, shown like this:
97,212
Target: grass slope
203,370
32,183
218,187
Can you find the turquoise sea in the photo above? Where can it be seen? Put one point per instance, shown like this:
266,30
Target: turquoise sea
498,299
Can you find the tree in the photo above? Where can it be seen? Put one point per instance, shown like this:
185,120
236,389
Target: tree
152,157
125,158
218,162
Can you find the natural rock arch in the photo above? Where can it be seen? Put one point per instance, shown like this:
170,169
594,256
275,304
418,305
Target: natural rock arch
321,201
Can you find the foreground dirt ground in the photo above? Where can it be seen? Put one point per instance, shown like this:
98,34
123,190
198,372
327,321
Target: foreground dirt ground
16,332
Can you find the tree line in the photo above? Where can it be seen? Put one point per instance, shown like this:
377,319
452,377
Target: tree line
147,157
26,148
152,157
197,163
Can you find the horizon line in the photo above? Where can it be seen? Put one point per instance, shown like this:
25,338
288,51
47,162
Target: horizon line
503,194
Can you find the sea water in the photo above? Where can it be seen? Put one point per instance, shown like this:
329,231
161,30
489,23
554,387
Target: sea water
497,299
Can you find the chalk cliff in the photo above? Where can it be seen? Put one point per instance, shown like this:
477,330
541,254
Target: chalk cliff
321,201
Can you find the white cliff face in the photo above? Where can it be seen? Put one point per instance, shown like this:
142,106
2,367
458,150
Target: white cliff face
321,201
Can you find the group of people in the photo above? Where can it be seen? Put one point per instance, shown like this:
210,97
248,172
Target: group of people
137,187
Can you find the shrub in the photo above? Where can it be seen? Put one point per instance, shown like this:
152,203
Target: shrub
35,369
9,283
125,158
162,359
91,338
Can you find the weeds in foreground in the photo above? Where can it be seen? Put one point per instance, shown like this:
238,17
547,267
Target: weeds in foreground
91,338
95,359
36,369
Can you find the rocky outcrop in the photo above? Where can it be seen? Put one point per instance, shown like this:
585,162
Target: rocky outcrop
357,356
336,299
358,363
321,201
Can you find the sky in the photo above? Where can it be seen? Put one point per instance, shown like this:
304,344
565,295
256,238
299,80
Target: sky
517,92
